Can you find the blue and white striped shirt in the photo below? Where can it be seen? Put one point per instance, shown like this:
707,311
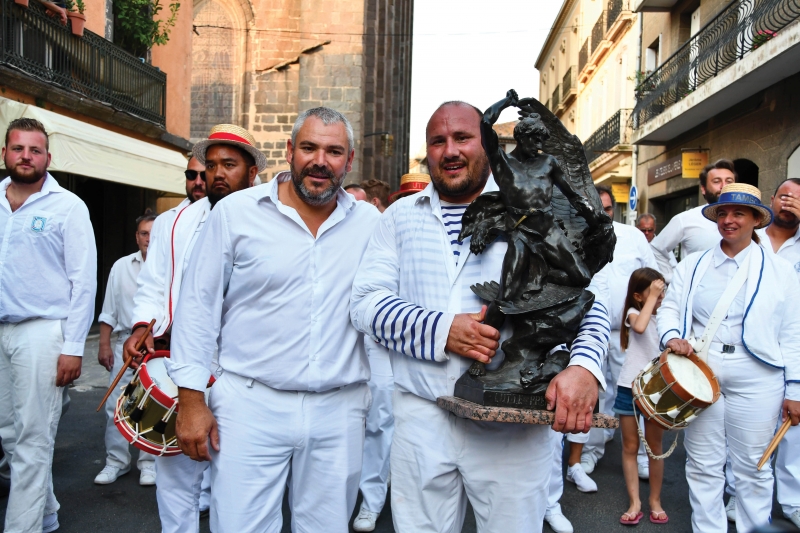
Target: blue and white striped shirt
408,289
451,216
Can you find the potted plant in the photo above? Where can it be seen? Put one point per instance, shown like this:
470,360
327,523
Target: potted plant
77,19
137,27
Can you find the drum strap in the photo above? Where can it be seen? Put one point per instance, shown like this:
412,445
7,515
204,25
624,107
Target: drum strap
720,311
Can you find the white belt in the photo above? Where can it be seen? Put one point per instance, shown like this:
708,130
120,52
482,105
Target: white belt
727,348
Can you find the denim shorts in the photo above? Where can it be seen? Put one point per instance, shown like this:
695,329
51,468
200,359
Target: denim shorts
623,405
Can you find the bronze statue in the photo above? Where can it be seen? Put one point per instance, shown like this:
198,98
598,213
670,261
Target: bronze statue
558,237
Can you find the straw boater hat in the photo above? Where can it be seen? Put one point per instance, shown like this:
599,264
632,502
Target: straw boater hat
410,184
740,194
233,135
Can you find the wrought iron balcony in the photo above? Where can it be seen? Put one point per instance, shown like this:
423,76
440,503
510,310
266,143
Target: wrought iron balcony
37,45
740,28
599,30
612,133
613,12
556,100
583,55
569,86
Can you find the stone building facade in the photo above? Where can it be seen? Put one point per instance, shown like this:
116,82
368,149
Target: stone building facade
258,63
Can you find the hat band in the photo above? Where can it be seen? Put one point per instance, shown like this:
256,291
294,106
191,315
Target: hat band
413,186
222,136
738,198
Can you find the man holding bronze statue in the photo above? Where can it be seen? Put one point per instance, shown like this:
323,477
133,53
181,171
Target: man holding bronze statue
413,295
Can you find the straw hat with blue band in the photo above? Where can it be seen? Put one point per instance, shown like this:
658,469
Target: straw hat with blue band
740,194
234,136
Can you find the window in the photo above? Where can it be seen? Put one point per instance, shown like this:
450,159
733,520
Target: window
652,56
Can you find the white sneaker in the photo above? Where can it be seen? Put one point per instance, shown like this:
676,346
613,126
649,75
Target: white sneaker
109,474
795,518
730,510
50,523
576,475
644,470
558,522
365,521
588,462
147,477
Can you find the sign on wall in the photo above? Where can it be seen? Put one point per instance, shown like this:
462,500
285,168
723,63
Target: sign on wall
693,162
668,169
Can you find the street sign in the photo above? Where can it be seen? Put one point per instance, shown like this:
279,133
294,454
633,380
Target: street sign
633,197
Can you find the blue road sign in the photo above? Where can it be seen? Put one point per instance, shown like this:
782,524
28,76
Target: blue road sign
633,197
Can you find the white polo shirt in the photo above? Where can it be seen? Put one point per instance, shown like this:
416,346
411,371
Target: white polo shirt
48,262
789,250
273,298
690,229
120,290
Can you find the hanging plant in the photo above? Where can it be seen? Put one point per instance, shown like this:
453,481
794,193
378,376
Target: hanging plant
75,14
137,27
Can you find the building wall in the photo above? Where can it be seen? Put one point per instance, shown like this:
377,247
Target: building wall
175,58
353,56
764,129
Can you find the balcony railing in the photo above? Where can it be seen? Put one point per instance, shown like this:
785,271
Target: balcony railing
583,55
556,100
612,133
599,30
740,28
613,12
568,83
39,46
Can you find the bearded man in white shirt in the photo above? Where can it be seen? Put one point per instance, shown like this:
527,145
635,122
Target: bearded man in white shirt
231,163
782,238
412,295
269,288
691,229
116,318
48,280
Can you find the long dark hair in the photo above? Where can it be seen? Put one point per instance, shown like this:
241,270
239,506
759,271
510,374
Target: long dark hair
639,282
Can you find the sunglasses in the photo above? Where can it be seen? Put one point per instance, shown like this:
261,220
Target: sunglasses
191,175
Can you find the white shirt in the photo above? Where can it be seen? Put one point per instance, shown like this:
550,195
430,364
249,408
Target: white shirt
789,250
271,296
48,262
690,229
409,289
120,290
709,291
172,237
631,252
642,348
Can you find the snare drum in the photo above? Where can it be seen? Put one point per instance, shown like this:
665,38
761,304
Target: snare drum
674,389
147,409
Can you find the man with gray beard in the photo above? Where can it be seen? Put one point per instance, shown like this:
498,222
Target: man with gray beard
269,286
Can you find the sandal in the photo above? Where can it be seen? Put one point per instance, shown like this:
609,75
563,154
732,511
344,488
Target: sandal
654,517
630,519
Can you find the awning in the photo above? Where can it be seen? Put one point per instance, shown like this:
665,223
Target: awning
87,150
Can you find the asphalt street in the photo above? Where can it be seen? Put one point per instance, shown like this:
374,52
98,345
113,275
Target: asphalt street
126,507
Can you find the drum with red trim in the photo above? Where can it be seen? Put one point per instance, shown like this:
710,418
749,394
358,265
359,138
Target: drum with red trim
147,409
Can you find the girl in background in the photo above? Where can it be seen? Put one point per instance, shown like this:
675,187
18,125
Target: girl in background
639,340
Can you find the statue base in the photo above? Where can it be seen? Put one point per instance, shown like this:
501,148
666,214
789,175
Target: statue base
466,409
495,390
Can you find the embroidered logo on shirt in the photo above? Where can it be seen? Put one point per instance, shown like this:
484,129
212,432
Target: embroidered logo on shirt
37,224
797,267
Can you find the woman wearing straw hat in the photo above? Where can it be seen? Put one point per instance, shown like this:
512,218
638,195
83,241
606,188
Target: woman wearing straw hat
733,298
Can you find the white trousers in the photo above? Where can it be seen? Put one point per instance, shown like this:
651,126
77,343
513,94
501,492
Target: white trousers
556,489
439,461
30,408
178,480
118,450
263,433
745,416
380,428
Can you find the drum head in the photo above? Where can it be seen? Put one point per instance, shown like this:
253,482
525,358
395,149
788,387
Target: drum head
690,377
157,372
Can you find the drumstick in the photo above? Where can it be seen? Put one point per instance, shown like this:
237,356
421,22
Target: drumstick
775,441
125,366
